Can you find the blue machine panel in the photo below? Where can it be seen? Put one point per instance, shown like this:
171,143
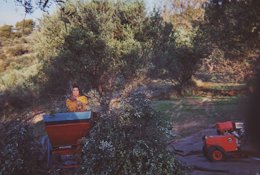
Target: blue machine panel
66,117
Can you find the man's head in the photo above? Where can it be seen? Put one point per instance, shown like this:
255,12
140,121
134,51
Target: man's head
75,91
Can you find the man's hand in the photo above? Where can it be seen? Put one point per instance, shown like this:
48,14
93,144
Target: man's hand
80,105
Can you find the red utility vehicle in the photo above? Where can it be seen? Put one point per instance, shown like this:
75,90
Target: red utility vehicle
228,141
65,131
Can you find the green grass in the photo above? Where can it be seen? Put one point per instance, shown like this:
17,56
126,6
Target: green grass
193,114
162,105
227,87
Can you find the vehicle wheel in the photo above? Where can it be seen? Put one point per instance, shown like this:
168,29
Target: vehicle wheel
216,154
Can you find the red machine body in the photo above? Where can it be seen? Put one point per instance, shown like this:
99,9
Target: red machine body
227,141
224,127
65,131
67,134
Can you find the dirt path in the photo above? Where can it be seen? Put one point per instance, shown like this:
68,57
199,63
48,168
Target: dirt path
188,151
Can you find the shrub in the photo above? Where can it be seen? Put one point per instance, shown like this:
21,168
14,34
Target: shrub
25,26
25,60
2,56
18,34
128,142
3,63
17,50
6,31
19,152
9,79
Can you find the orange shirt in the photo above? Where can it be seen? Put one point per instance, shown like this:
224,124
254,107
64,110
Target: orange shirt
77,105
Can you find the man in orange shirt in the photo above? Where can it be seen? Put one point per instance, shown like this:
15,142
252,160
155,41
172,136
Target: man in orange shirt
76,102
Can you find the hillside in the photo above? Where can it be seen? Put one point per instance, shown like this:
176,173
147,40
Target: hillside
18,62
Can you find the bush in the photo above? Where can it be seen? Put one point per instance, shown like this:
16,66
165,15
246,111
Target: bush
2,56
22,76
18,34
25,27
19,152
3,65
6,31
128,141
9,79
17,50
25,60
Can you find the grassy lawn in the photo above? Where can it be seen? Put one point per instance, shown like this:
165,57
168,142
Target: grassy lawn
220,86
191,114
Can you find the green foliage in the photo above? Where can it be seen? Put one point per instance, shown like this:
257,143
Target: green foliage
16,87
17,66
185,19
49,39
24,27
206,26
93,44
18,151
172,59
12,78
233,26
128,141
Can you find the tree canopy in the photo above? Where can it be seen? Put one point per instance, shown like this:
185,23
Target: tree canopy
95,42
